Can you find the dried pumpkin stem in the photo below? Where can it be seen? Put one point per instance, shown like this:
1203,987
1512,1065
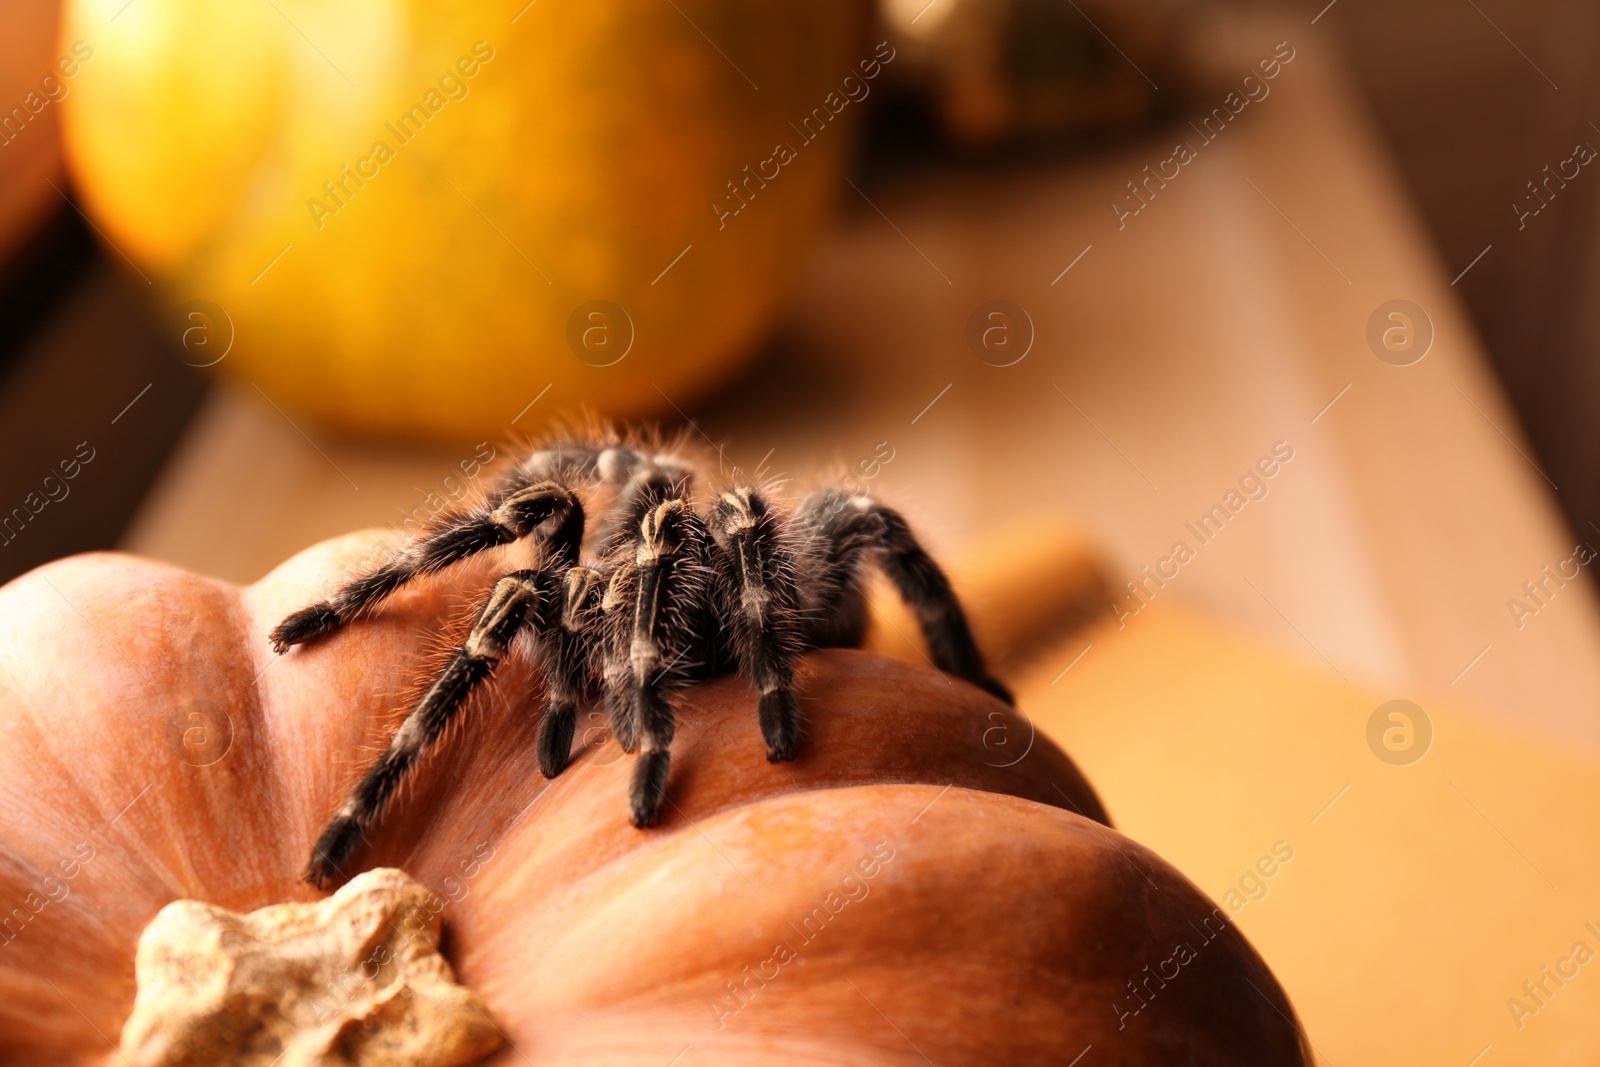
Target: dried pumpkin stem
355,980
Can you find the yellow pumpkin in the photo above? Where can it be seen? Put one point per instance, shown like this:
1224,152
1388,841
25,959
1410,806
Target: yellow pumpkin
909,890
411,217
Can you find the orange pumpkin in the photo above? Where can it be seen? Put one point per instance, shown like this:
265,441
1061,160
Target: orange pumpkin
906,891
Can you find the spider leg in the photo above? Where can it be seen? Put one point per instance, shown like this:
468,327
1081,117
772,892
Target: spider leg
658,625
511,605
761,597
852,525
518,514
648,485
616,672
566,661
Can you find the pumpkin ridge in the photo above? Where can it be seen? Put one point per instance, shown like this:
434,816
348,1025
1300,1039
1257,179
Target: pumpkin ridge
722,765
960,856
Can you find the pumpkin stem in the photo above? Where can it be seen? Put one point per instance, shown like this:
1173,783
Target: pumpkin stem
353,979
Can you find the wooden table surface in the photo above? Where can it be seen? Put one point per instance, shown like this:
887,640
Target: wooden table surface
1173,350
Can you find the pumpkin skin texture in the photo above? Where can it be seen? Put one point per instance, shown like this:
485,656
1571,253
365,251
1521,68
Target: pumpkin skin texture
933,901
431,288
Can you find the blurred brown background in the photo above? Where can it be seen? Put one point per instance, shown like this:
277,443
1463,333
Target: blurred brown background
1473,98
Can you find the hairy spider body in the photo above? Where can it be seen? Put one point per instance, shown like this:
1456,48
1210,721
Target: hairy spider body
659,595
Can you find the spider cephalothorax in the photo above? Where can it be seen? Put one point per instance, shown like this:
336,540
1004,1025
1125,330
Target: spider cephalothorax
663,593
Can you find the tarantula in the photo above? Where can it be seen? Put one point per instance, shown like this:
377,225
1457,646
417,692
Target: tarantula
660,595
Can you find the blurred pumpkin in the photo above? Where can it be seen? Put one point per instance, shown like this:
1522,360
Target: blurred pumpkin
409,217
909,888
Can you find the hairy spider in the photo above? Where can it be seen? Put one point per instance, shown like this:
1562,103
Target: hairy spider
660,595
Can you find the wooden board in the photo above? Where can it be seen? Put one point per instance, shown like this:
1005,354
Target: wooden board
1402,903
